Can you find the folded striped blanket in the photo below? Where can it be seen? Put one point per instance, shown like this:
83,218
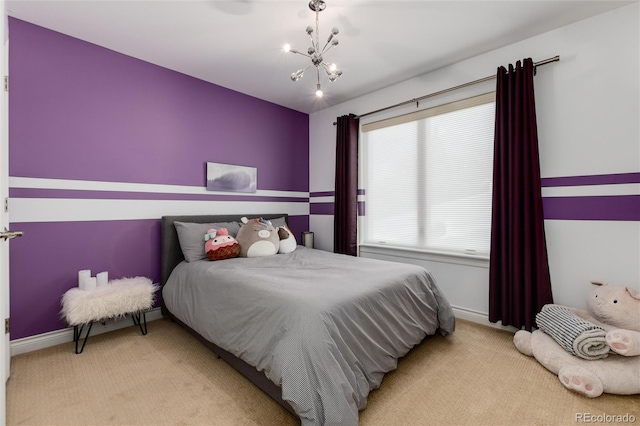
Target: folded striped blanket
576,335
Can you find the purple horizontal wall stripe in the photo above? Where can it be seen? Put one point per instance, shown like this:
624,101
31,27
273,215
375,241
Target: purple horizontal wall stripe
80,111
608,179
109,195
361,210
614,208
322,194
321,208
330,193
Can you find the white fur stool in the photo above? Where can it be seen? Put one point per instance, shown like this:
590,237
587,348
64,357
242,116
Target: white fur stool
120,297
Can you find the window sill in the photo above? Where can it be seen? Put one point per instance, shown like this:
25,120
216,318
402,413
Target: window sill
479,261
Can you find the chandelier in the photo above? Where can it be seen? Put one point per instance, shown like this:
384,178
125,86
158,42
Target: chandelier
316,52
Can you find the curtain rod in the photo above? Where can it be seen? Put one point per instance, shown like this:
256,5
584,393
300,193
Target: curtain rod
451,89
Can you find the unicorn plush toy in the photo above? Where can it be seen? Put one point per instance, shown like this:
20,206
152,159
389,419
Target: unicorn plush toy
257,238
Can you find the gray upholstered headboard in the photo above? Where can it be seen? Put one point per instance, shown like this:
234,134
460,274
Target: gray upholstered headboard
171,253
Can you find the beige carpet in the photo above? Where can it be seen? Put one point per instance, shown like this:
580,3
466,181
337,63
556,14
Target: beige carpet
475,377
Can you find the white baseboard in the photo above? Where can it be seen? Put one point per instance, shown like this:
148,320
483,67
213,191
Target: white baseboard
58,337
480,318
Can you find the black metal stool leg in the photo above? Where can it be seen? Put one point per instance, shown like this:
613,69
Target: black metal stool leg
140,319
77,333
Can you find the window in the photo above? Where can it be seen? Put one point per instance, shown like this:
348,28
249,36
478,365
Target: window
428,178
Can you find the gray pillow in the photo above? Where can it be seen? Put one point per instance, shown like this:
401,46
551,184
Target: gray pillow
191,237
278,221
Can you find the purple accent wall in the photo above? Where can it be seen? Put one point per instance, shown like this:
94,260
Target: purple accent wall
45,264
298,225
80,111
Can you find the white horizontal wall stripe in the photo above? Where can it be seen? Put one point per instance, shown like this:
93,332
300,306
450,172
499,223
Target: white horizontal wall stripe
88,185
328,199
592,190
74,210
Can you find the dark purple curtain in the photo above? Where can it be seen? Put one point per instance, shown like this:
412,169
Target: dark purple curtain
519,282
345,215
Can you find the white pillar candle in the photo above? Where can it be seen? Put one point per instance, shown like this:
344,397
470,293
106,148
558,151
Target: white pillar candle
91,283
307,239
82,278
103,278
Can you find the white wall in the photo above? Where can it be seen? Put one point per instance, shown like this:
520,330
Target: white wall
588,124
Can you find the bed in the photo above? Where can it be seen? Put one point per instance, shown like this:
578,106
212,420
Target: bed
315,330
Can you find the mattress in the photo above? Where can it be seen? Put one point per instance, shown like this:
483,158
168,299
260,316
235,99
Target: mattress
324,327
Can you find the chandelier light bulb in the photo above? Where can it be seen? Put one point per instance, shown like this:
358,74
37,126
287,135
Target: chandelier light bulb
316,51
286,48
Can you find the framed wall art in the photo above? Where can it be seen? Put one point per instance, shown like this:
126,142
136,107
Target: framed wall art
229,177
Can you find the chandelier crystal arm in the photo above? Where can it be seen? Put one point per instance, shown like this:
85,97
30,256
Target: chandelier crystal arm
326,49
309,31
331,41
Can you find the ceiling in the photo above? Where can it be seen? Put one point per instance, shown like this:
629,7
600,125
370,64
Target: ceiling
238,43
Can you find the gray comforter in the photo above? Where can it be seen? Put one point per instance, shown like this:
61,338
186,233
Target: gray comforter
322,326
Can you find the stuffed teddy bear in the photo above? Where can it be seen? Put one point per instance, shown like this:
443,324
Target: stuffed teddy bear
257,237
288,241
220,245
616,310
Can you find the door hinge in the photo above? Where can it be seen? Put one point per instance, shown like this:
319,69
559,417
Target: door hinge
6,83
6,326
6,204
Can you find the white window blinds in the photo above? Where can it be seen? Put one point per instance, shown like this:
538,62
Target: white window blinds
428,178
